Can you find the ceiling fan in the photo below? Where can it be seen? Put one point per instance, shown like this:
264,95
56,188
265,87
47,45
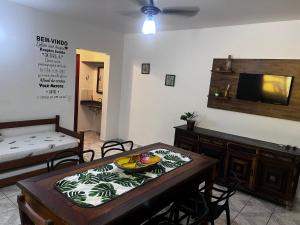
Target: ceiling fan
151,10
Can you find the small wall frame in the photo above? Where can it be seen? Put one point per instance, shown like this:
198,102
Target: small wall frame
145,69
170,80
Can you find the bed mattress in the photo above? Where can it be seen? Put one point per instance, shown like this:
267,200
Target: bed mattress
13,148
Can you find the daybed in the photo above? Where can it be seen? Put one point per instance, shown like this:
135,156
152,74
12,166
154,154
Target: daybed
24,156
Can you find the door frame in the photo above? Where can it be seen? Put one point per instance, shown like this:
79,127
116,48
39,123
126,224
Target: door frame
104,135
77,74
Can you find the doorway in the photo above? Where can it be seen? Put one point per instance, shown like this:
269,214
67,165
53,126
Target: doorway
91,93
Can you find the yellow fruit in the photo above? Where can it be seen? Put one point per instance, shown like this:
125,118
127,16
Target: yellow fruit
123,160
130,165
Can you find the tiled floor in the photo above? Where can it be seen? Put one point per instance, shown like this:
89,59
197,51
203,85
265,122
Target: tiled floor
92,141
248,210
9,214
245,209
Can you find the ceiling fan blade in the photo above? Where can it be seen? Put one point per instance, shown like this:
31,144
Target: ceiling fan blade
141,2
132,14
181,11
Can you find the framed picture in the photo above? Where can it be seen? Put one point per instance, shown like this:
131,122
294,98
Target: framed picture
170,80
145,68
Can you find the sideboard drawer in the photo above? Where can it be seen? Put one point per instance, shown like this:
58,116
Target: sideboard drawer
279,157
233,147
212,141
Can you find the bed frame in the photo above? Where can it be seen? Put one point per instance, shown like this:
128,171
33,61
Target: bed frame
38,159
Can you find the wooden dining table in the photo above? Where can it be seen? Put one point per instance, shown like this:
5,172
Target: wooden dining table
133,207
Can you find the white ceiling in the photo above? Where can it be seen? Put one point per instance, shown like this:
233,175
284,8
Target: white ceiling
110,13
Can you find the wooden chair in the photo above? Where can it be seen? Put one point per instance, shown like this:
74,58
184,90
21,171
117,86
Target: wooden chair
28,216
68,157
115,146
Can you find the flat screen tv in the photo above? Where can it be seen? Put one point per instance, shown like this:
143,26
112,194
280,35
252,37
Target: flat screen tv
267,88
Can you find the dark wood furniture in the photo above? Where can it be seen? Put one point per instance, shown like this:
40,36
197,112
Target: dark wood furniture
266,169
220,79
115,146
28,216
130,208
35,159
68,157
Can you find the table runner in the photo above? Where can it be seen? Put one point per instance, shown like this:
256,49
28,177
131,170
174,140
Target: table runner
99,185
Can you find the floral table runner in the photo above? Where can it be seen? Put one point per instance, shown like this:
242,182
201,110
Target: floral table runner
99,185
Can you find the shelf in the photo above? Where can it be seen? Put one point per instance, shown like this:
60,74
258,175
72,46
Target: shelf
223,71
91,103
94,63
219,97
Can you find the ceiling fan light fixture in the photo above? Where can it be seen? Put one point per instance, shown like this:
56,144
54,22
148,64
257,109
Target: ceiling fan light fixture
149,26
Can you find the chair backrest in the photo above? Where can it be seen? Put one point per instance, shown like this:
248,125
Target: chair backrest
228,189
115,146
68,157
28,216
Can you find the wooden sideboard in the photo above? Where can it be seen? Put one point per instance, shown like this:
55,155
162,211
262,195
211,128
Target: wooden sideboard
266,169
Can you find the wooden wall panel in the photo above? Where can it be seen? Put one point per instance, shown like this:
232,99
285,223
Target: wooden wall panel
220,80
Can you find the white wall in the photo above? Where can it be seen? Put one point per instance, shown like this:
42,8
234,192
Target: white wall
18,27
150,110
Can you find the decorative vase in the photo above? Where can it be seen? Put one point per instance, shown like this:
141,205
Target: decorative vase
190,124
228,63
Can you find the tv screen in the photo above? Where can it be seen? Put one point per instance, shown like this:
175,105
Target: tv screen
266,88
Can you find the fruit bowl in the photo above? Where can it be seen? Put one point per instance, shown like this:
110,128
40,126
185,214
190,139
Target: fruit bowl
137,163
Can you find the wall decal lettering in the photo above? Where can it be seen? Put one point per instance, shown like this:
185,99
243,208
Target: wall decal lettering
52,68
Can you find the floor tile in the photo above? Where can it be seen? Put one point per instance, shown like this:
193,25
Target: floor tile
222,220
285,219
13,199
239,200
6,205
294,209
92,141
10,190
261,218
255,212
1,194
233,211
255,205
10,217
